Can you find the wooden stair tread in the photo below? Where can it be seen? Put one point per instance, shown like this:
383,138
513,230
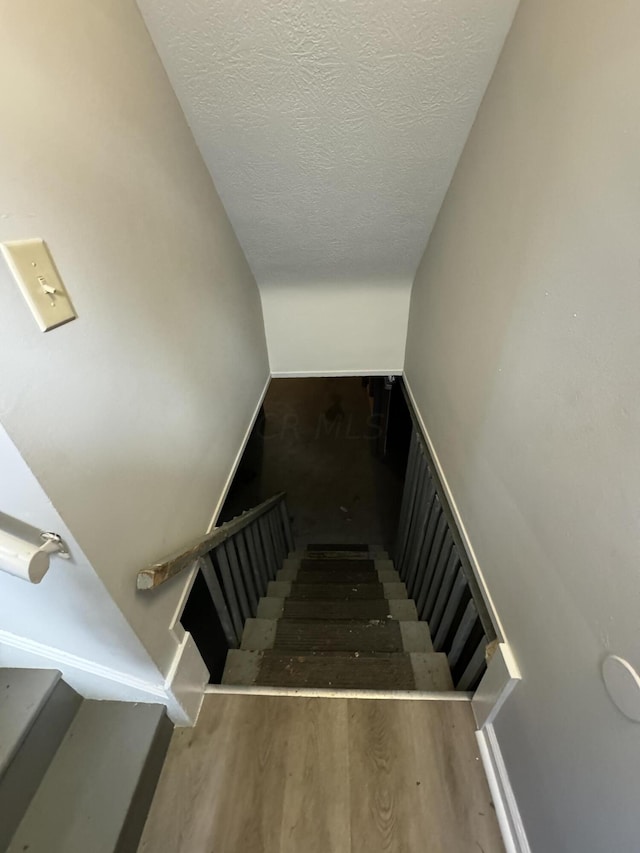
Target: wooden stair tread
372,635
337,618
337,565
332,546
403,609
307,635
350,576
336,591
339,670
350,609
372,554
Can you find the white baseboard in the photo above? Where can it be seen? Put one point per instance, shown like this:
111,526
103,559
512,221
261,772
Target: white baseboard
181,692
239,455
497,684
500,679
186,684
321,374
90,679
188,675
507,812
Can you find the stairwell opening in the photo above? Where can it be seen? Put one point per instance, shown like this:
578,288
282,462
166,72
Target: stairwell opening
310,589
338,447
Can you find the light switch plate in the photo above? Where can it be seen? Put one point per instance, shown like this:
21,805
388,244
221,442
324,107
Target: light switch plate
34,270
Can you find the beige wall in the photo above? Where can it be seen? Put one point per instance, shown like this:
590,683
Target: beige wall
523,355
71,596
331,328
131,417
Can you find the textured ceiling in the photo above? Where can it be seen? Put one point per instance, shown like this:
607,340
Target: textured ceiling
331,127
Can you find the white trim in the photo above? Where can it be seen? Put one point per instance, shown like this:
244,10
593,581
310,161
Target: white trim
239,455
329,693
484,589
90,679
181,692
176,627
321,374
507,811
188,675
185,684
496,686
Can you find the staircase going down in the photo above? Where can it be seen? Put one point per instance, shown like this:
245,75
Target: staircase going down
338,617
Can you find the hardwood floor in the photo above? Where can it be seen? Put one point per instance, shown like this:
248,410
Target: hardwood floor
273,774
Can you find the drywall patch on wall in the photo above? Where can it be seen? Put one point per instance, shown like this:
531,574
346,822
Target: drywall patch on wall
328,329
332,129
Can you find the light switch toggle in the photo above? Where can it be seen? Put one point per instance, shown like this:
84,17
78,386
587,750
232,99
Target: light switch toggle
48,289
38,279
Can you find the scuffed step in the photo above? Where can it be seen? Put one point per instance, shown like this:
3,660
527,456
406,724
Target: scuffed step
331,546
306,636
351,576
339,670
97,791
338,555
328,592
276,608
336,566
335,591
36,709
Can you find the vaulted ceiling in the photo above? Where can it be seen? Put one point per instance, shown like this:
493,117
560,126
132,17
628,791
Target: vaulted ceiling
331,127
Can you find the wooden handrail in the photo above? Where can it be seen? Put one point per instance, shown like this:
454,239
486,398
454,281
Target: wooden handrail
159,573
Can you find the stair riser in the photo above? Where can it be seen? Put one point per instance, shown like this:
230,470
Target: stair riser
372,576
338,620
338,555
425,672
275,608
306,636
138,812
23,774
339,592
97,790
339,566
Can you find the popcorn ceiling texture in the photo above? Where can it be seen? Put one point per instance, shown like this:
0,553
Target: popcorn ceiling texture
331,127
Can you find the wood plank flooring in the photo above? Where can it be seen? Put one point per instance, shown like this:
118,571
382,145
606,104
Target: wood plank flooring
274,774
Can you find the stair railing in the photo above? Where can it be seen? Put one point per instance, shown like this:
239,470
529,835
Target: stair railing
237,560
432,561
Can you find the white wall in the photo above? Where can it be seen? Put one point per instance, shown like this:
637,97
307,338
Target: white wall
71,598
523,353
132,416
336,328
